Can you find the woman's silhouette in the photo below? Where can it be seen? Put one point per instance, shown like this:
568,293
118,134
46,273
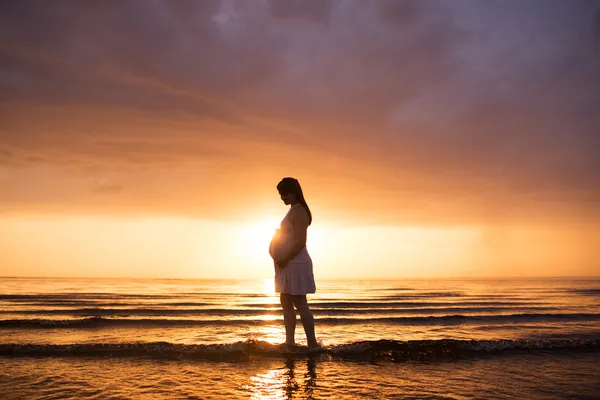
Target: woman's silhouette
293,265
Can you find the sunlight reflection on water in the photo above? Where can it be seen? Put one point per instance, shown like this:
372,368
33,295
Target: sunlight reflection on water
246,314
284,382
525,376
199,311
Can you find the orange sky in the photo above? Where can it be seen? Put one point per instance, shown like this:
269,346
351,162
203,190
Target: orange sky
428,140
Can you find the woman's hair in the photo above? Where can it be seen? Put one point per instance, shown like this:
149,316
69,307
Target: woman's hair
292,186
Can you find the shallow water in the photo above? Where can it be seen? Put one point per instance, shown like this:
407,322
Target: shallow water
192,312
508,338
560,376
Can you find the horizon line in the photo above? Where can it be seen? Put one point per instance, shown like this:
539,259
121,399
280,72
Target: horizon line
325,279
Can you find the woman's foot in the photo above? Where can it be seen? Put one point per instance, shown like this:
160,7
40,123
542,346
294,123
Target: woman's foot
316,348
289,348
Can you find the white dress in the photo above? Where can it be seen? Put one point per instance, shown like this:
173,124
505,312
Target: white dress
296,277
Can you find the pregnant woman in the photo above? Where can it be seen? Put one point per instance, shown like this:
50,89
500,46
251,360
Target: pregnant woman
293,266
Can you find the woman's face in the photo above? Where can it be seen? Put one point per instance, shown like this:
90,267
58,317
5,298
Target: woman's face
288,198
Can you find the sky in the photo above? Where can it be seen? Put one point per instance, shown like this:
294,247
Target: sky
456,138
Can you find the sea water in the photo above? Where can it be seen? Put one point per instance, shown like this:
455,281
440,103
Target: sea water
144,338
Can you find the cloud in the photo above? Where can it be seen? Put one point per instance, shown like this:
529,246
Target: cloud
427,108
106,188
312,10
596,27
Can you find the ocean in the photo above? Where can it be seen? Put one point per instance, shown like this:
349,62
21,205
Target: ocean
201,339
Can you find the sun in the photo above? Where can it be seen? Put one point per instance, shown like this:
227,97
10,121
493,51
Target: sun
256,237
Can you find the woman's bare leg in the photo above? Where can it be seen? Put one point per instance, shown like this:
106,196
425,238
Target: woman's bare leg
308,321
289,317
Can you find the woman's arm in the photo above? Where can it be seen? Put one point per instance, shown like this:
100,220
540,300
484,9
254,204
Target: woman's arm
299,220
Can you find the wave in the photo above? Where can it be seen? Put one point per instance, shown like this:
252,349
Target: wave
424,294
222,312
379,304
75,296
101,303
586,292
407,304
98,322
392,350
200,299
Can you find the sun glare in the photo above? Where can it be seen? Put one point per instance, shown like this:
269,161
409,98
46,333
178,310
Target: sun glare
269,287
256,238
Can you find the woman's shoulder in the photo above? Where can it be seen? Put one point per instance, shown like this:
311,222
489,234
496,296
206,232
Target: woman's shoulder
298,211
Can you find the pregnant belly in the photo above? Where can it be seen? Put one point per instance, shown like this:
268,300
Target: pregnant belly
278,246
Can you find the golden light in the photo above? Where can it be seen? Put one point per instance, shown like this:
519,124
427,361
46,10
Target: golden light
269,287
256,237
269,385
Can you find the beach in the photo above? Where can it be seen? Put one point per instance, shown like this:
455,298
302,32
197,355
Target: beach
145,338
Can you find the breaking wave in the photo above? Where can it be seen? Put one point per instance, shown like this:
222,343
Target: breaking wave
391,350
97,322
